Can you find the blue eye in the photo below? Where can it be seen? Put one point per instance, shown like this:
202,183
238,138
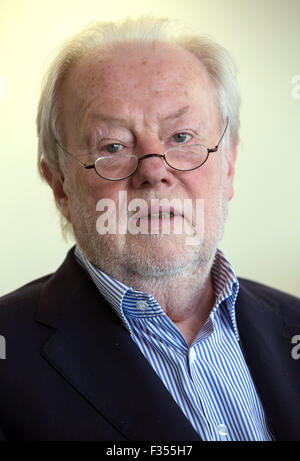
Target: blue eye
181,137
113,148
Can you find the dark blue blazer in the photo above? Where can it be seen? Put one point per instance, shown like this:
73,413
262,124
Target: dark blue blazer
72,372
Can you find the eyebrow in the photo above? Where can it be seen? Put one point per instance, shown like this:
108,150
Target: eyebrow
173,116
177,114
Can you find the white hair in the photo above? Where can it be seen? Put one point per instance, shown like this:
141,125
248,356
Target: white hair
107,35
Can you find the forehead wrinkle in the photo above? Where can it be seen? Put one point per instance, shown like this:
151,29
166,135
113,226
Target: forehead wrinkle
86,87
100,94
101,117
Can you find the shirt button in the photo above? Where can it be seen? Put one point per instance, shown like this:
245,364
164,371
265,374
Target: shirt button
192,355
222,430
141,305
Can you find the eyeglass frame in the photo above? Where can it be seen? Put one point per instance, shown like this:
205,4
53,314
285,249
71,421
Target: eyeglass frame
163,156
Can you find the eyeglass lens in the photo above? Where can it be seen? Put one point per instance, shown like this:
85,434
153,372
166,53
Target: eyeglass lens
121,166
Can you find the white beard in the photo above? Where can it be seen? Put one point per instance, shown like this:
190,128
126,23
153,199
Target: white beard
129,257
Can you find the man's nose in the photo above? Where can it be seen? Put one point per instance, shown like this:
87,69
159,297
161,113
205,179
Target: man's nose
152,169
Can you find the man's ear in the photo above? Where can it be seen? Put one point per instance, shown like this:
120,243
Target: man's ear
56,182
231,159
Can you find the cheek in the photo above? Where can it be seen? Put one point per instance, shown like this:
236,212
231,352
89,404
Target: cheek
205,182
91,190
80,197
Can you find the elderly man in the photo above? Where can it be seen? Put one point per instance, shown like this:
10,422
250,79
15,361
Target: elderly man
145,332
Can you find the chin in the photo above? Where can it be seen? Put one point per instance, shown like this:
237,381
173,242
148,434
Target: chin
163,255
146,255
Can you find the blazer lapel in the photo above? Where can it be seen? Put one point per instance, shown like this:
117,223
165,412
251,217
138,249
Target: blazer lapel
95,353
265,334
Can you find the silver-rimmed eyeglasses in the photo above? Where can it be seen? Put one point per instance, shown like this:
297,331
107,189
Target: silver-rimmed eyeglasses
116,167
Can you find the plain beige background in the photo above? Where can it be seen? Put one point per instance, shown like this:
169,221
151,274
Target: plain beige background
262,233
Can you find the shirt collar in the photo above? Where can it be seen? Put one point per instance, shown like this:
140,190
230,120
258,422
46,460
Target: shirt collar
123,298
226,287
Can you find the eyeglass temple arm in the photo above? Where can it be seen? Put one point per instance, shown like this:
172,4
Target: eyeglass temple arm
222,136
87,167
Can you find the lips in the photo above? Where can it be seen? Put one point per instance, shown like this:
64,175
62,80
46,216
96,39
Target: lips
162,211
153,217
148,216
161,215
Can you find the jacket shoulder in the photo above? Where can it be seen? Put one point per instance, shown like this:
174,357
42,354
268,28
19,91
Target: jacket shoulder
270,295
266,291
23,299
21,306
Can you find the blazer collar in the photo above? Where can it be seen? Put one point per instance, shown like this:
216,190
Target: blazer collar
92,350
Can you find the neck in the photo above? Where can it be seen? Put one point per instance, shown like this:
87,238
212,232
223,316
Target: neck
187,297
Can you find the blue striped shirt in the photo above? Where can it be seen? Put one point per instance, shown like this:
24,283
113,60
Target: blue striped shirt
209,380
